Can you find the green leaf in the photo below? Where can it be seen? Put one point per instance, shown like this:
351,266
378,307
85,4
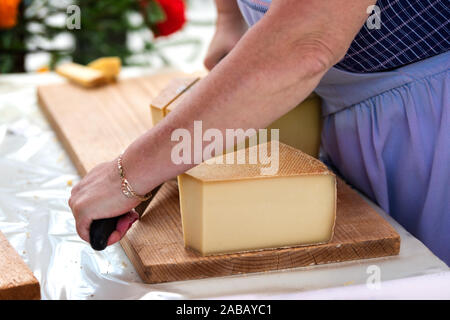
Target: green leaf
7,64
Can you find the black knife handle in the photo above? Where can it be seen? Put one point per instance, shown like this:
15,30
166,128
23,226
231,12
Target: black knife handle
101,229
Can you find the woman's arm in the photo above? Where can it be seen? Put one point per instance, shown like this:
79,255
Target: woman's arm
230,27
276,64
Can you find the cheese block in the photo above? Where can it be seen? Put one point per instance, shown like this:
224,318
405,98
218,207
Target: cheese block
17,282
82,75
302,126
109,66
174,89
227,208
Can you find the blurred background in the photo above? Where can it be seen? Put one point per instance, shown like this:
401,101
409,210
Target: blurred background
37,35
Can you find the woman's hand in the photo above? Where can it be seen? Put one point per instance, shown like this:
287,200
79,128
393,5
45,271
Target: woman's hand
98,195
229,30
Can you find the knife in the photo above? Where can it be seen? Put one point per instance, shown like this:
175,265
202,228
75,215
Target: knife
101,229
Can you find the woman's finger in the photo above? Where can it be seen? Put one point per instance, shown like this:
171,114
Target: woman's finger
82,227
123,225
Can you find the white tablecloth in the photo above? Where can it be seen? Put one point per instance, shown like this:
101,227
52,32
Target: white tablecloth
36,179
37,176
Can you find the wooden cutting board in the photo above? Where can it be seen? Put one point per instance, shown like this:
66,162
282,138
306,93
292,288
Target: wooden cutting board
17,282
95,125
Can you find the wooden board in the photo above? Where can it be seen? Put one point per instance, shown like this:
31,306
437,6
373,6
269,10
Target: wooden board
17,282
95,125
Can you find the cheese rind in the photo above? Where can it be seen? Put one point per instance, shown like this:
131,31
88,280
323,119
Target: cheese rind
291,162
228,208
192,223
175,103
174,89
82,75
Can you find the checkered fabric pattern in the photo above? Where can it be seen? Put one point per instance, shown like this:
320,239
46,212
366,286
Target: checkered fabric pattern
411,30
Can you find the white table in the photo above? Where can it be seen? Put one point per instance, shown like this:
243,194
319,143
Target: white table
36,175
35,186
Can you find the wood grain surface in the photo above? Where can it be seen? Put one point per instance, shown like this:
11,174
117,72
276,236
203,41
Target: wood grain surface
17,282
95,125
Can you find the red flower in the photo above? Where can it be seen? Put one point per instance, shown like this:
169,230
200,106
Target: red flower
174,16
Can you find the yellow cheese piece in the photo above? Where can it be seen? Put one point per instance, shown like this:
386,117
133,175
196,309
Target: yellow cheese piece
228,208
109,66
174,89
80,74
301,127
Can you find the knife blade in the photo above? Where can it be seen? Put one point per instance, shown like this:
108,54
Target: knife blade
101,229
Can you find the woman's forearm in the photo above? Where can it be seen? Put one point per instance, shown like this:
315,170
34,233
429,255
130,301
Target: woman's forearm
277,64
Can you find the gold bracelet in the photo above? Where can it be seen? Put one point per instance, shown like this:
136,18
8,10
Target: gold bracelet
127,190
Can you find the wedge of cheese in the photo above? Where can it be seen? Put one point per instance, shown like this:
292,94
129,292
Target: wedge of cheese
174,89
109,66
82,75
228,208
